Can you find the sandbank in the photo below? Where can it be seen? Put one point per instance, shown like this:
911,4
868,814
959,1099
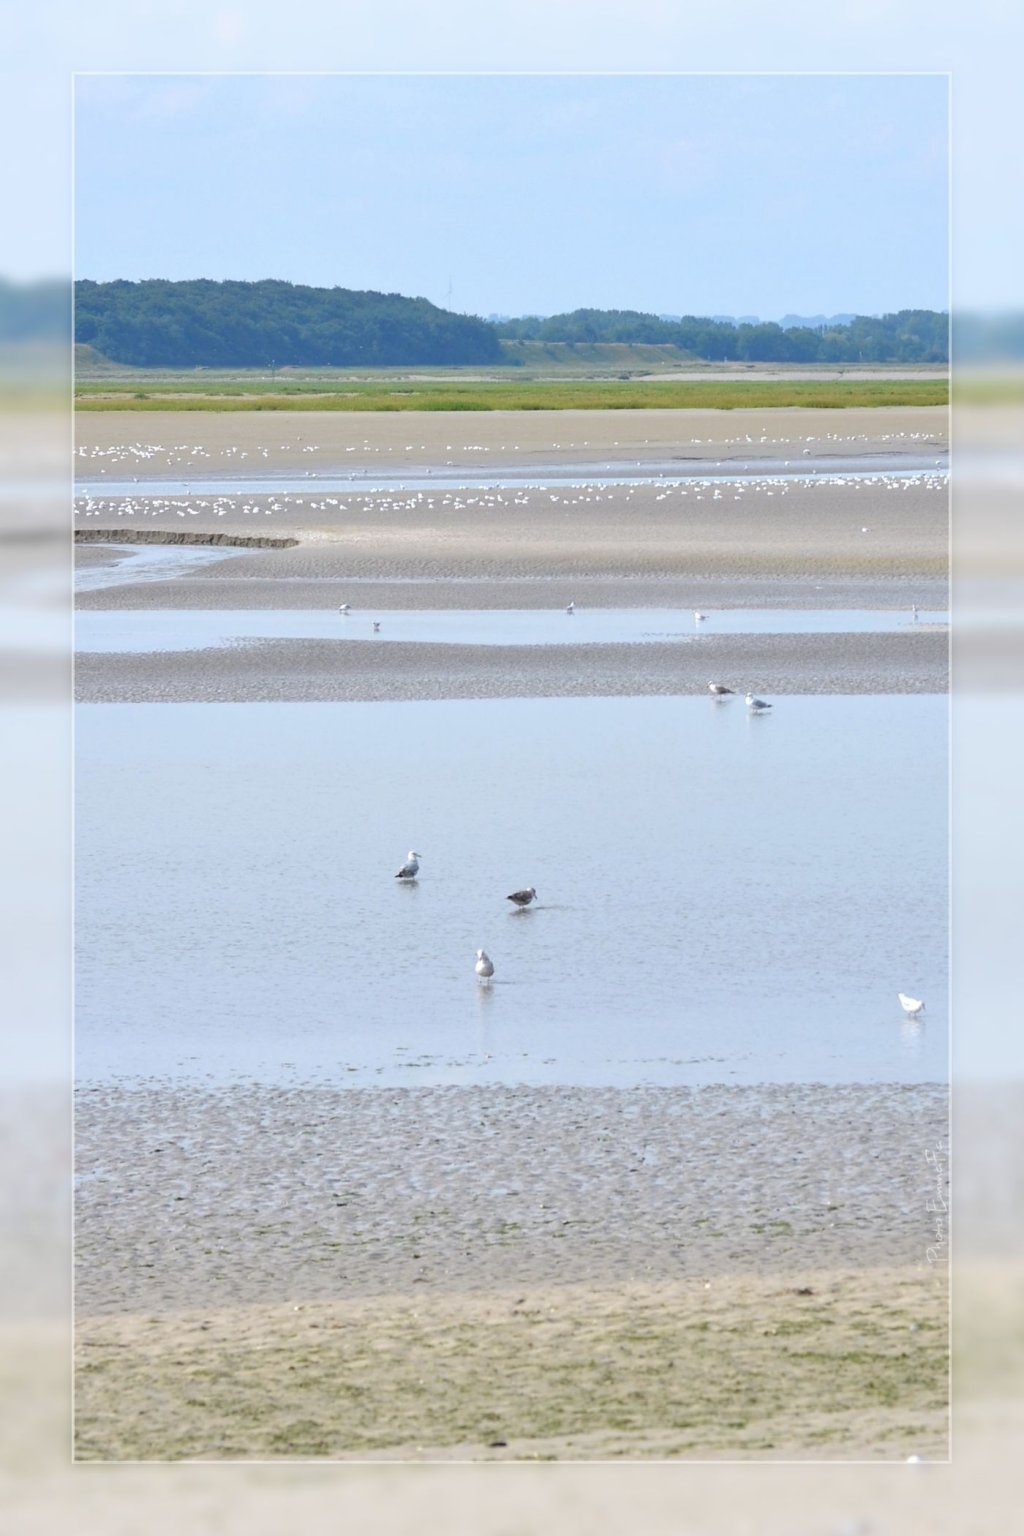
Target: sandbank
377,669
317,441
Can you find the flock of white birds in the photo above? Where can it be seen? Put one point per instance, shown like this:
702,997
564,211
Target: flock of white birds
401,498
176,454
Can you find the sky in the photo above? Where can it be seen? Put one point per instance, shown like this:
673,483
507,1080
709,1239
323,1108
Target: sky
526,194
979,46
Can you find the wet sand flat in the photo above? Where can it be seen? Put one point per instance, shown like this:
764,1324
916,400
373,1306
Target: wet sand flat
835,546
263,1194
279,442
834,542
852,532
373,670
578,1272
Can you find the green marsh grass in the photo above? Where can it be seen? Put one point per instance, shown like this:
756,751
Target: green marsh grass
260,394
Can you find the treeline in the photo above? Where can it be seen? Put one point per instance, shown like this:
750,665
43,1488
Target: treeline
273,324
910,336
201,323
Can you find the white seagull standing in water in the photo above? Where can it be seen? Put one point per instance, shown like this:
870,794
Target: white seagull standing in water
411,868
524,897
756,706
699,617
344,608
571,608
484,968
912,1006
719,690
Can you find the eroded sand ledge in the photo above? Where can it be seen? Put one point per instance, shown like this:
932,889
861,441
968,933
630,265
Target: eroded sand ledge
122,535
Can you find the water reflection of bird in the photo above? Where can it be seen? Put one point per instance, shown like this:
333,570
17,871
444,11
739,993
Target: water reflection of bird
484,968
719,690
912,1006
410,869
524,897
756,706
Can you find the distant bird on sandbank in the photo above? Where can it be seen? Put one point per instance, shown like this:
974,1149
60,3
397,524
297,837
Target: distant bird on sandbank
719,690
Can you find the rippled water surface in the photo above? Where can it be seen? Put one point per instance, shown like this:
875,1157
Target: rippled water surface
721,898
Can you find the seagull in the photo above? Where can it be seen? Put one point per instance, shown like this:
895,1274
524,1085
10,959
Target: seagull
524,897
484,968
699,616
410,869
376,627
912,1006
719,690
756,706
571,608
344,608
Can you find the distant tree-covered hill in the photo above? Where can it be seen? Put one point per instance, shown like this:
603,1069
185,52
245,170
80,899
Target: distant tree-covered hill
201,323
162,324
911,336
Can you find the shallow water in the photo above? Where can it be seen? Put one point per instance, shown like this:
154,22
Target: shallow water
721,898
128,564
196,629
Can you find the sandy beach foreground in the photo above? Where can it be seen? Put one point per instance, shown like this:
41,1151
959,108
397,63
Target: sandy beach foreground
574,1273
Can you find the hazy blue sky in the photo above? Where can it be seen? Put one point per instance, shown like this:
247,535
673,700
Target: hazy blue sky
676,194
